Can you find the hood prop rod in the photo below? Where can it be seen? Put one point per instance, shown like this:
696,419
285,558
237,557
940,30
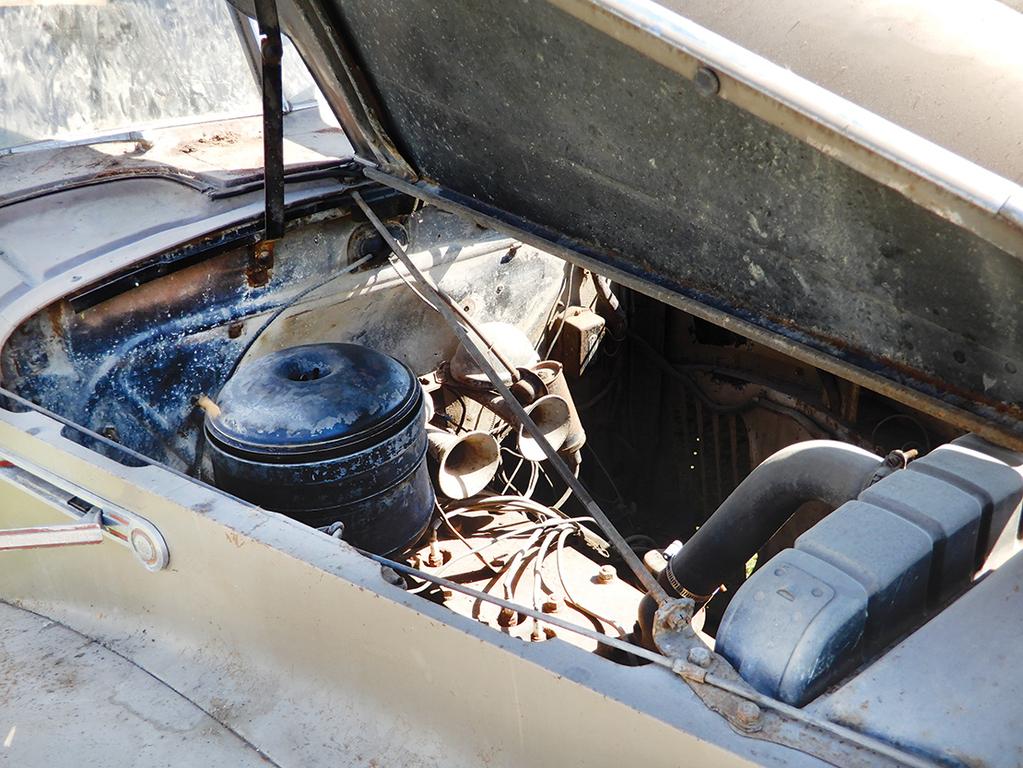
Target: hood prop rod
476,351
271,52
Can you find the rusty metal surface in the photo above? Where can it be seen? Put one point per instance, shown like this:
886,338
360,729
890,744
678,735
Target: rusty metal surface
217,157
878,253
527,580
131,361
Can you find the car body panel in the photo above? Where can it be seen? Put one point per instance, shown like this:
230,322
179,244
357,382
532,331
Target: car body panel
771,203
263,623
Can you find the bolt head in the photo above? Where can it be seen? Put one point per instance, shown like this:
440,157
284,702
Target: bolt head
677,620
551,604
706,82
747,714
606,574
700,656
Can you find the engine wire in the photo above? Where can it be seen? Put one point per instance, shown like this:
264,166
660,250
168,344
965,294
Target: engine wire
451,313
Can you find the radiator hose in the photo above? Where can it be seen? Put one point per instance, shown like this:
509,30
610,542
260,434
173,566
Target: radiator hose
815,470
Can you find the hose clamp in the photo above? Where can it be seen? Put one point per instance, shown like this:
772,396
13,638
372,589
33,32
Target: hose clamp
682,591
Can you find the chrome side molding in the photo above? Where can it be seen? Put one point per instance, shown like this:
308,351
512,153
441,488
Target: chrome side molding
94,517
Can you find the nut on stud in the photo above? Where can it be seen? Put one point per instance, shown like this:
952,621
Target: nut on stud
606,574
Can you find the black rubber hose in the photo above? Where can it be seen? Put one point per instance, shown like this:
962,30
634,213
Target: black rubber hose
815,470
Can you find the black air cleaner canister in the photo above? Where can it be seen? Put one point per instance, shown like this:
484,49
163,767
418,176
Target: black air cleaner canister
325,433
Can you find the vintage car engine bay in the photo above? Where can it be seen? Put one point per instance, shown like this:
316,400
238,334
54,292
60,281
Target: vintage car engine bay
823,526
662,410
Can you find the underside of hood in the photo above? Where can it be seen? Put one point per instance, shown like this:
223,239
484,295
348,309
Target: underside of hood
630,140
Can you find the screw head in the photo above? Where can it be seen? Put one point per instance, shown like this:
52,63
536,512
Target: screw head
700,656
706,82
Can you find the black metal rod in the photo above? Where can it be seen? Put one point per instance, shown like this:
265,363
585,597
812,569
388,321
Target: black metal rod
272,50
600,637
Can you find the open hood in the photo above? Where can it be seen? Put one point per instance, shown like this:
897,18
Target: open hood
629,139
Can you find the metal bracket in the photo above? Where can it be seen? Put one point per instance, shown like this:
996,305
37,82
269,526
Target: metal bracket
755,715
94,517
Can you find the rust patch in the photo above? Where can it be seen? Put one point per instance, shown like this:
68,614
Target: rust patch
260,267
56,315
226,137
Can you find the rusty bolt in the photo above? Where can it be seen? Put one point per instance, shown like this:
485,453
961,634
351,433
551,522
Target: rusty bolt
747,714
676,619
700,656
551,605
537,634
706,81
606,574
264,253
507,617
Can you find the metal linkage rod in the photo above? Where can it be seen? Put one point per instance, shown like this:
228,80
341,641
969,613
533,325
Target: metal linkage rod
546,618
444,306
